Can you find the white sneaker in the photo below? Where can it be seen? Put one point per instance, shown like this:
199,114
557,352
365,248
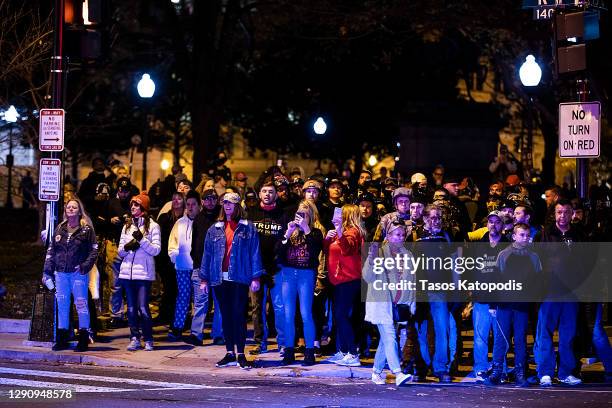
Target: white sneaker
401,378
570,380
148,346
378,379
349,360
545,381
336,357
134,344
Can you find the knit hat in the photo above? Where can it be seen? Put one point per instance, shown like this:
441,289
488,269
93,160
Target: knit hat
143,200
231,198
513,180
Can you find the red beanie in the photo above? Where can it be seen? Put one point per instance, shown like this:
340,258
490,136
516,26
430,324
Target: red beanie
143,200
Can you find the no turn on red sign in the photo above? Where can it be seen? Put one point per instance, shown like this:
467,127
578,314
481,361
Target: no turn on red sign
49,179
579,129
51,134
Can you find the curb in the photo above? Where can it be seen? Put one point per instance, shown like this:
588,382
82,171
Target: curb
14,325
314,372
65,358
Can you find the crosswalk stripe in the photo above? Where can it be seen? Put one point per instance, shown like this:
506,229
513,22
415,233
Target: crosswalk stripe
59,385
134,381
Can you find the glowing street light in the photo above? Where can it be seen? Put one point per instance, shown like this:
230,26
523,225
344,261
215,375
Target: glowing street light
530,72
146,86
372,160
165,165
320,127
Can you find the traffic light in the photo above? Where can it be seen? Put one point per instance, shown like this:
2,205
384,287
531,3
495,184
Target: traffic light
85,22
571,32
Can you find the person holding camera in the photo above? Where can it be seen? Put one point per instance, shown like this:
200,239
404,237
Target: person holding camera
503,164
298,258
118,214
72,252
140,242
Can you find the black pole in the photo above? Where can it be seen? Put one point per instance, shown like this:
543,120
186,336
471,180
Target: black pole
529,146
145,148
9,164
582,165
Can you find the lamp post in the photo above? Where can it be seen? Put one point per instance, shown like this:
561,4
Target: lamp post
11,117
530,74
146,89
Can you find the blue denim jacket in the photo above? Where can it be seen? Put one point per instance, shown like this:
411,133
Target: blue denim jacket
245,259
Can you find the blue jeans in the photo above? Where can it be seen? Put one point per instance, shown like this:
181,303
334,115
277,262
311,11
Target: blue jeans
601,342
183,277
113,263
276,298
217,324
139,315
297,283
74,283
421,327
512,321
551,316
387,351
200,306
483,323
442,327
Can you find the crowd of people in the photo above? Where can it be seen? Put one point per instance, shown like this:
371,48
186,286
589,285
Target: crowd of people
287,253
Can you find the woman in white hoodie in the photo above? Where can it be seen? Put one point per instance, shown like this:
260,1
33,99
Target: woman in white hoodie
179,251
140,242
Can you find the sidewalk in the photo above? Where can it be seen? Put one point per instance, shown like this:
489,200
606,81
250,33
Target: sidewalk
110,351
167,356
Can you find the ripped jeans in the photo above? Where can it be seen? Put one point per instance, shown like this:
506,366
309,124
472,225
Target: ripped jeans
74,283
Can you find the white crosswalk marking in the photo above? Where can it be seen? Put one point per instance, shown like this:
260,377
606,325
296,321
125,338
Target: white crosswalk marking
156,385
58,385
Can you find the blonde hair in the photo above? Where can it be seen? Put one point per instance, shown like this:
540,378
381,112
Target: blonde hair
313,220
83,217
351,218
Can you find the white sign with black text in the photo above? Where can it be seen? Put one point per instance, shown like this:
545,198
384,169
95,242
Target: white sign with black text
51,135
579,129
49,180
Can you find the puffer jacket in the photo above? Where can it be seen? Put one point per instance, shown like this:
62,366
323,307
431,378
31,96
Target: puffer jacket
245,259
179,244
65,253
139,264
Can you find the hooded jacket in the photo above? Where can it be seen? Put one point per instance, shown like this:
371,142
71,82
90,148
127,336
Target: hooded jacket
179,244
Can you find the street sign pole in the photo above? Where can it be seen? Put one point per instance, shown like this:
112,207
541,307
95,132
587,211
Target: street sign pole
582,164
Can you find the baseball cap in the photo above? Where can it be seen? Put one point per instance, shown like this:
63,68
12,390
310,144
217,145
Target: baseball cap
401,192
512,180
232,198
124,183
495,213
241,176
209,193
335,181
418,178
250,195
311,184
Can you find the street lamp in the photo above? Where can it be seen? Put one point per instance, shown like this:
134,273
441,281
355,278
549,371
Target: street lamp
10,116
530,74
320,127
372,160
146,89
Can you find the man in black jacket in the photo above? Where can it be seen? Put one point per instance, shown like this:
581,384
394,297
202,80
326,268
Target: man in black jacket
271,221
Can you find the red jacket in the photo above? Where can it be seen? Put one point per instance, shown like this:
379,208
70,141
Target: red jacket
344,256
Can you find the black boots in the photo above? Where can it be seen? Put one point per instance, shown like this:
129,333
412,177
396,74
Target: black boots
520,376
309,357
83,340
61,340
496,374
289,357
